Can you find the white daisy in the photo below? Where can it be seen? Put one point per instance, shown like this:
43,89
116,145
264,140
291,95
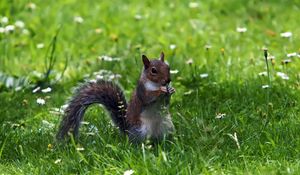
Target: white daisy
265,86
282,75
291,54
241,29
4,20
46,90
40,45
286,34
19,24
174,71
204,75
9,28
40,101
2,29
78,19
128,172
172,46
263,74
193,5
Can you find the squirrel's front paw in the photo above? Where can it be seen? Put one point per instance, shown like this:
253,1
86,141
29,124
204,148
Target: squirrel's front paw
170,90
167,89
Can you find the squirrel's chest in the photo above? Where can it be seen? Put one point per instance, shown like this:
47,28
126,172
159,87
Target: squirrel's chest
156,121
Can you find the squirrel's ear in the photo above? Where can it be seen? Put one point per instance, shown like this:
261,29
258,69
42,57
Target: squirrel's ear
162,56
145,61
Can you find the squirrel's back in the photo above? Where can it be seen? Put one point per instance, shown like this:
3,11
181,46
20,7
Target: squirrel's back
101,92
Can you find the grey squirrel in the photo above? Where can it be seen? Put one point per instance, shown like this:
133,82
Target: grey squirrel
147,114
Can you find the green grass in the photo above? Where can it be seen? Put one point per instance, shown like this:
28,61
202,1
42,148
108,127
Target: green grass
266,121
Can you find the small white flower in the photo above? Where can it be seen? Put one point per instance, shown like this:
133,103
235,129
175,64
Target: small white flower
46,90
57,161
19,24
207,46
25,31
271,57
80,149
2,29
263,74
128,172
31,6
286,34
138,17
220,115
282,75
204,75
36,89
78,19
18,88
47,124
4,20
286,61
291,54
193,5
174,71
241,29
265,86
40,101
9,28
189,61
172,46
108,58
40,45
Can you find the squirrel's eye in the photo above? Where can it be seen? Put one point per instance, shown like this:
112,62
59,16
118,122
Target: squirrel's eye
153,70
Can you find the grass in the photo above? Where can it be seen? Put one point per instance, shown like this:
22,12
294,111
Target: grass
265,121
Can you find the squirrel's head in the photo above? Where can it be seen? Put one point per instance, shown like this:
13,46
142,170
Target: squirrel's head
157,70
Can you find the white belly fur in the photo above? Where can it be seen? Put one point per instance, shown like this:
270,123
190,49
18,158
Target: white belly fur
156,121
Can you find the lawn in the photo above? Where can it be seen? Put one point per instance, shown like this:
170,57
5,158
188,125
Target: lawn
235,111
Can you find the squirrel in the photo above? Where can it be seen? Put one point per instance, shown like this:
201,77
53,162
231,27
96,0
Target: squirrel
146,116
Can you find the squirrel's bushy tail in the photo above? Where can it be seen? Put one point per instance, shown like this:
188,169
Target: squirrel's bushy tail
101,92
